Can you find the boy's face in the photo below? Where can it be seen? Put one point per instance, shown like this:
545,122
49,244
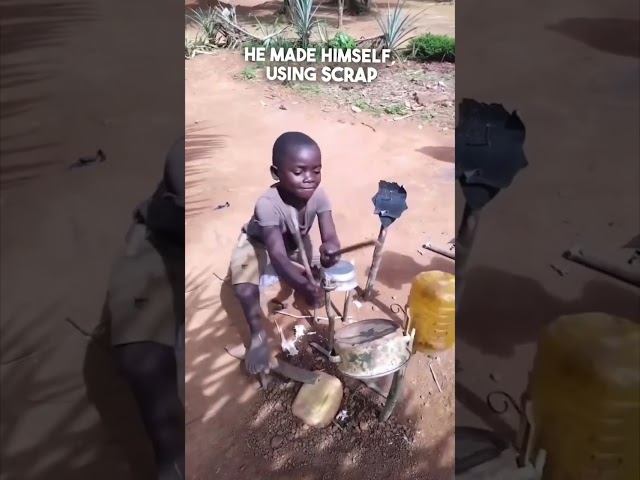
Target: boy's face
300,172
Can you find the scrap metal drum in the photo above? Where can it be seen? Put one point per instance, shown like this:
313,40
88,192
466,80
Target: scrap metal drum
372,348
343,275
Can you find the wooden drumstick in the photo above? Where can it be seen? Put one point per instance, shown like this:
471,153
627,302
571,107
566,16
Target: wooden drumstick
303,255
357,246
350,248
300,245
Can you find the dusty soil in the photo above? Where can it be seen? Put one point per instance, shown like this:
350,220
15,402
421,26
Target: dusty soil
227,161
424,92
48,401
407,90
581,185
64,412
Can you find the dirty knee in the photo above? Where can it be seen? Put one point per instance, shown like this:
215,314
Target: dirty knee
247,293
144,360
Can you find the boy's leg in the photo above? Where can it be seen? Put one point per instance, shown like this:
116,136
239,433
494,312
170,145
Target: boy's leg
248,263
150,370
143,304
257,358
179,353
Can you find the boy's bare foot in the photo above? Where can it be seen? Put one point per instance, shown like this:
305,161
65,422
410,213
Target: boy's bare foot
257,358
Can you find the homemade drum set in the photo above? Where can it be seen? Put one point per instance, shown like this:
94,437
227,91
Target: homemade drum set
369,349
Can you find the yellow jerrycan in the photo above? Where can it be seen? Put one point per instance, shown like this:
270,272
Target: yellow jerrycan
432,311
585,388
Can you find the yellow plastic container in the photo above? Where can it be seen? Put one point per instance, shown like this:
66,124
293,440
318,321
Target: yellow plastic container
432,311
317,404
585,388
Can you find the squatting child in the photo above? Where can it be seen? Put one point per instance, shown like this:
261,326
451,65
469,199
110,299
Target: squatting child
268,237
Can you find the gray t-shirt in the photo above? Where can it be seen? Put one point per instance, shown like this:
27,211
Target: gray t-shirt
271,211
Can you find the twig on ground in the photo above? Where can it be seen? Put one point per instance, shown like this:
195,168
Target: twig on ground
366,125
223,280
79,329
396,119
435,379
371,42
306,317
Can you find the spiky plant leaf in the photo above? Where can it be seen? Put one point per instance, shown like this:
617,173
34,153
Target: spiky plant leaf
304,20
397,25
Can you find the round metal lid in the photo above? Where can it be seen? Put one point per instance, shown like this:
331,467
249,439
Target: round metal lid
365,331
342,271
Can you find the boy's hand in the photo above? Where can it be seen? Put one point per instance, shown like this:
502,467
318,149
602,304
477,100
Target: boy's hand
328,254
313,295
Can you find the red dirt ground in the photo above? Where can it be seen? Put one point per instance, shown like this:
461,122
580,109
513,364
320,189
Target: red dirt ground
231,125
47,404
230,130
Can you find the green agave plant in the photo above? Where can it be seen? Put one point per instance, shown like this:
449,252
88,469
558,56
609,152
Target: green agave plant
323,34
206,19
304,20
271,33
397,25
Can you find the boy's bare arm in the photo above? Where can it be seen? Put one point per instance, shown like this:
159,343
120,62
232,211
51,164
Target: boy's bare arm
330,242
281,262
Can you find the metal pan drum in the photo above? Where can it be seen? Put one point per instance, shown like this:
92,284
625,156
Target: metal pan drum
372,348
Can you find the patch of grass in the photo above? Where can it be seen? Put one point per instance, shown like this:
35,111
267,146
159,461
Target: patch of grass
285,43
415,74
428,116
343,41
429,48
196,46
395,109
316,47
365,106
273,36
249,73
307,90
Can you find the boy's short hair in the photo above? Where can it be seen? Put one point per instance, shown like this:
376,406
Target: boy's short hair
287,142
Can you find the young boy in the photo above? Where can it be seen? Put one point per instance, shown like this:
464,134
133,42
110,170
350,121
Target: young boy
145,314
268,237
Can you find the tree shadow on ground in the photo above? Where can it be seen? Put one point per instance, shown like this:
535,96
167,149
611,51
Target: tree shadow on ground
27,26
500,311
226,411
443,154
611,35
479,407
398,270
113,400
200,151
69,444
48,426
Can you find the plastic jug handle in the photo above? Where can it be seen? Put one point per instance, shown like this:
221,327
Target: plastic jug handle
410,338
